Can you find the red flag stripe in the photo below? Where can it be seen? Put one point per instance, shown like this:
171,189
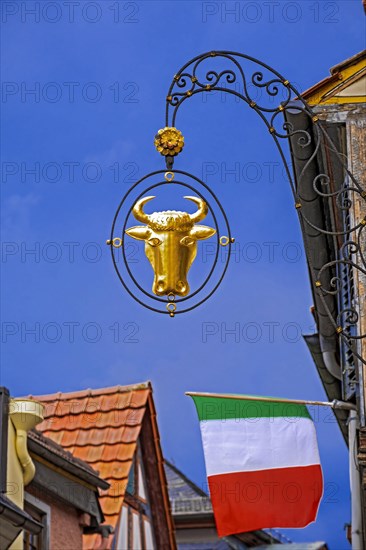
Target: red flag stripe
279,497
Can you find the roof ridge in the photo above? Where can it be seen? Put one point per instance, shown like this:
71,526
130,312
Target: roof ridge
63,396
348,62
200,492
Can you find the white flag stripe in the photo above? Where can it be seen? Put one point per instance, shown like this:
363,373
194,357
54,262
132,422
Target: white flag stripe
266,443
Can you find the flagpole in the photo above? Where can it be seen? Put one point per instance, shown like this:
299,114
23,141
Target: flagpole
335,404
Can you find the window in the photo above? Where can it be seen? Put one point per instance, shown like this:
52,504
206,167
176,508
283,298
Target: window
123,529
141,483
131,484
149,543
41,513
347,304
31,541
136,479
135,531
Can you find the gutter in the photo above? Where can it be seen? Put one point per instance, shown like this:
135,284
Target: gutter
318,246
17,517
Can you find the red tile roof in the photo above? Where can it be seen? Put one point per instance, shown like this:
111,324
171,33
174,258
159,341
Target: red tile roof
100,427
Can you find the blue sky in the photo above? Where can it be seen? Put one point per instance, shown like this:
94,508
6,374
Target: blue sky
100,72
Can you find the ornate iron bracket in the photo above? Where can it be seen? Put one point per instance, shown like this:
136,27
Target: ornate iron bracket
244,74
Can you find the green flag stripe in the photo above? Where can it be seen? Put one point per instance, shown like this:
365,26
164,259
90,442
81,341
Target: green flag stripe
221,408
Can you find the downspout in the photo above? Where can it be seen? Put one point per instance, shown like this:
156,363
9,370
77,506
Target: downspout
354,475
25,414
332,364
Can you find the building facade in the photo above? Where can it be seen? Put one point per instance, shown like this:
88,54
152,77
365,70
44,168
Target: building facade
334,235
48,499
63,496
115,431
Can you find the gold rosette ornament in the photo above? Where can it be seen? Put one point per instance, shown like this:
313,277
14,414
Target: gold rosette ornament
169,141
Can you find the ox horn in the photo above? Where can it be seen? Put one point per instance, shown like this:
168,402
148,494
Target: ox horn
138,210
202,209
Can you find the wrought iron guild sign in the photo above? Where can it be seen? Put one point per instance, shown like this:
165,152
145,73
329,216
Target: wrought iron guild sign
171,237
243,76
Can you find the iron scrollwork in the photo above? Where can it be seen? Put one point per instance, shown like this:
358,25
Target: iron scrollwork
193,78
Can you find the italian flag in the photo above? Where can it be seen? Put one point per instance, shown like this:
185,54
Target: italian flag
262,462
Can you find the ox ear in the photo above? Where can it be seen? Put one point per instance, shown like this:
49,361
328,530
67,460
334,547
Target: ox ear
201,232
139,232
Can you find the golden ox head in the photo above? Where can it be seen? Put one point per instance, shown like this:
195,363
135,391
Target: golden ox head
170,243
